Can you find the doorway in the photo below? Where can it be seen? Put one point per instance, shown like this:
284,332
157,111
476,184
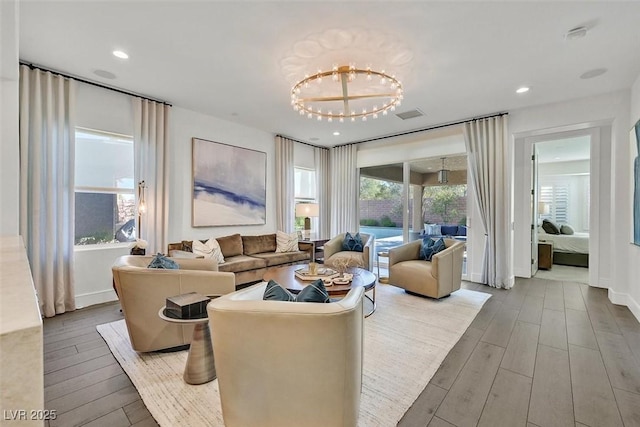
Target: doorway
561,205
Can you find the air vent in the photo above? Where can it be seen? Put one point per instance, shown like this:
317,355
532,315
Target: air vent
410,114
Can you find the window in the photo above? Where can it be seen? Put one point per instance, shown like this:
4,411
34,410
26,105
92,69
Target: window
556,196
104,188
304,192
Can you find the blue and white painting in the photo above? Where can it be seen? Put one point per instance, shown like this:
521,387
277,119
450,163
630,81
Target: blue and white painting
229,185
635,185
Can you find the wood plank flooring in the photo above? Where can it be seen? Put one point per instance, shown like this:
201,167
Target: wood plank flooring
545,353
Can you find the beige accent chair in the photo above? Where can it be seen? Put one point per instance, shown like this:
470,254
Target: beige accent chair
436,278
283,364
143,291
333,251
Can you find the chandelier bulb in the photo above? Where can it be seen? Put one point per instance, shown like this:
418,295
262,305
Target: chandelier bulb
301,112
384,113
364,118
375,115
309,115
319,118
341,120
329,119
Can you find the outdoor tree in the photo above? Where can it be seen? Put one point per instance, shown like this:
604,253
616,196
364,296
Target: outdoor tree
375,189
441,201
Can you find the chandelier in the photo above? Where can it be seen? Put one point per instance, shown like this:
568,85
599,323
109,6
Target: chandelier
346,92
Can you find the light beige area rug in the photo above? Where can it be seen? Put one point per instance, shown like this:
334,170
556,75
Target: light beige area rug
406,339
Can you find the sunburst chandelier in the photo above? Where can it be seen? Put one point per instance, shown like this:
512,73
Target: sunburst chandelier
346,92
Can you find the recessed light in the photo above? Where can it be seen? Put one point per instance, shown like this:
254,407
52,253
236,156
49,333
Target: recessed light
523,89
336,133
314,139
593,73
576,33
120,54
105,74
557,158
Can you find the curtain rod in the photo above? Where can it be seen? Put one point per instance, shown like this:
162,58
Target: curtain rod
90,82
302,142
444,125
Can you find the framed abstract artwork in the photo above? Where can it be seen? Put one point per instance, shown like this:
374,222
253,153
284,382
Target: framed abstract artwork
635,181
229,185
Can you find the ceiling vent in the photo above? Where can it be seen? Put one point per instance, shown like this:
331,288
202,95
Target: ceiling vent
410,114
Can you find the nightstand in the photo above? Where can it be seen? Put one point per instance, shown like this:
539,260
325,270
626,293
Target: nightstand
545,255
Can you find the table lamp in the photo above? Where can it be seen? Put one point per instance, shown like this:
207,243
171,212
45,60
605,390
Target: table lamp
307,210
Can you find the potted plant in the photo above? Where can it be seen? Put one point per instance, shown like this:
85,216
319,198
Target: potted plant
139,247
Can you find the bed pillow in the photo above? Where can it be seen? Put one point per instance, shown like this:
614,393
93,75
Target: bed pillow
566,229
550,227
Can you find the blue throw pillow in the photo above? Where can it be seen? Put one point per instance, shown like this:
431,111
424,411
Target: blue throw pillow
352,243
161,261
313,292
431,247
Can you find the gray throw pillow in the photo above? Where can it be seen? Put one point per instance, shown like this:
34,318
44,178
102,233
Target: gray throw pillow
566,229
550,227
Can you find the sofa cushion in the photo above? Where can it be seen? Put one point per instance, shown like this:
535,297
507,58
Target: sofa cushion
550,227
230,245
352,243
258,244
161,261
449,230
286,242
462,230
279,258
208,250
432,229
238,263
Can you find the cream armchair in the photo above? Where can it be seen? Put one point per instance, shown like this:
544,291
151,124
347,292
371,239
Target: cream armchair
143,291
285,364
436,278
333,251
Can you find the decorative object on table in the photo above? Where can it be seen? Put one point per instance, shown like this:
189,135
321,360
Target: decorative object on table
343,264
161,261
191,305
229,185
321,273
139,247
307,210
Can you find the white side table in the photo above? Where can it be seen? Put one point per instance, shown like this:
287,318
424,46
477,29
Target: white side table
200,366
382,254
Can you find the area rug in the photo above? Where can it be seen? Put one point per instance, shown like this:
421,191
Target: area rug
406,339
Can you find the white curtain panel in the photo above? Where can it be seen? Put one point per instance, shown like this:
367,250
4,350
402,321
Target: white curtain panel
344,189
150,143
285,191
321,158
486,141
47,147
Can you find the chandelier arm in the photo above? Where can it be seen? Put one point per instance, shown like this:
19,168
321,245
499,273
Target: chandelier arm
345,93
343,98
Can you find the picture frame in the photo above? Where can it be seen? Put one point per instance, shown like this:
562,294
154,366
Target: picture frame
635,183
229,185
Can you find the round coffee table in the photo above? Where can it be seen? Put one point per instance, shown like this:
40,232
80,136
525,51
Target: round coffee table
200,367
286,277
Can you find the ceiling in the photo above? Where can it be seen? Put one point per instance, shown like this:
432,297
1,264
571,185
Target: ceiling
564,150
238,60
433,165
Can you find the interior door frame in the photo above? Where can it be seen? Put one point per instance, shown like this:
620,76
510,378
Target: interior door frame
526,141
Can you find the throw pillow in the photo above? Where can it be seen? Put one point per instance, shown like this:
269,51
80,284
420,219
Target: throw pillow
182,254
209,250
432,229
550,227
161,261
352,243
275,292
313,292
431,247
566,229
286,242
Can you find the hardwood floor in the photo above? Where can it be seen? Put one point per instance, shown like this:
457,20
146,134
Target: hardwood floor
545,353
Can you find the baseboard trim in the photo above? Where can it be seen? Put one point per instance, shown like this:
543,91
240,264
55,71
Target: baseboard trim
93,298
476,278
626,300
524,273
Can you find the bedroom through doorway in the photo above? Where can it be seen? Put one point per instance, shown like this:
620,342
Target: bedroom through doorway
561,200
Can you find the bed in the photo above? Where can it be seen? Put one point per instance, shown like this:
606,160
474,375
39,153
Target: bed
568,249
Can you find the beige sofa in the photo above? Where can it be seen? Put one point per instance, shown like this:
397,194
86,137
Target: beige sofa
333,252
143,291
436,278
249,257
282,364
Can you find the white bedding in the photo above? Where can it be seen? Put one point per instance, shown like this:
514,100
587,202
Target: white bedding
577,242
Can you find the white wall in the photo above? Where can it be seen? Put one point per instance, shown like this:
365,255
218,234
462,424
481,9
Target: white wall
611,113
184,126
9,94
629,253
